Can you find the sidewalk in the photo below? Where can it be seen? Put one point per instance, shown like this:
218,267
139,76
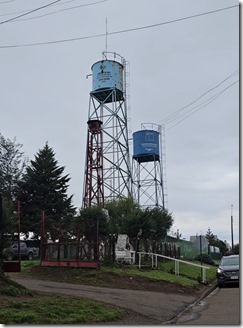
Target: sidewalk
221,307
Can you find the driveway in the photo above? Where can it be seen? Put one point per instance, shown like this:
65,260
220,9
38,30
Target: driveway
142,307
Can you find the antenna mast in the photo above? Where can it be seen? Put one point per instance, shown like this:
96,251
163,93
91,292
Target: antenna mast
106,35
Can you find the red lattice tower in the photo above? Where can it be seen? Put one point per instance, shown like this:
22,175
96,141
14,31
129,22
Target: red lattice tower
94,186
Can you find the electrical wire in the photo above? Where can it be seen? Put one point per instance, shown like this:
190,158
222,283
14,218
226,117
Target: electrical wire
115,32
24,11
213,98
2,2
174,115
199,106
60,10
29,12
54,12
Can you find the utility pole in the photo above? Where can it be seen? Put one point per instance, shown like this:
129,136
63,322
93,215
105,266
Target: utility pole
232,237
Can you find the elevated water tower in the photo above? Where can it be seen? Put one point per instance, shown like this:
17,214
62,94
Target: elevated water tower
148,166
110,177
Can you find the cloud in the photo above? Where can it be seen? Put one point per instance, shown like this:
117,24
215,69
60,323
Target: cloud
191,223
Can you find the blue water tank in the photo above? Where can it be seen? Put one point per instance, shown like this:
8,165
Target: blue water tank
146,146
107,75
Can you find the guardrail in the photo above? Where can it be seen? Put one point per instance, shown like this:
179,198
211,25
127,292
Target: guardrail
177,271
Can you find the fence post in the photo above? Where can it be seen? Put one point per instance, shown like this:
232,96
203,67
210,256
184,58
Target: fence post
203,275
176,268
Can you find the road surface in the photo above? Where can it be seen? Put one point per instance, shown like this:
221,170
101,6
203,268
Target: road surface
221,307
147,307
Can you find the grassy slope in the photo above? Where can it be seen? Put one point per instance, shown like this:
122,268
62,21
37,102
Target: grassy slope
19,306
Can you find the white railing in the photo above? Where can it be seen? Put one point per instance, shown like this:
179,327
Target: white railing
155,263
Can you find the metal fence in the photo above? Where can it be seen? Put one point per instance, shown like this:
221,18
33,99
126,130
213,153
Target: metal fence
154,263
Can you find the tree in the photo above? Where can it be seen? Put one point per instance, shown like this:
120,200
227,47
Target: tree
1,236
236,249
12,165
90,219
210,237
212,241
44,188
120,212
151,224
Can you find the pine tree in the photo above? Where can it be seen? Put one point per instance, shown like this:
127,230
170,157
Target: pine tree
44,188
210,237
12,164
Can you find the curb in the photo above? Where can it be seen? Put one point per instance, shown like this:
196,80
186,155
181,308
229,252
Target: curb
205,294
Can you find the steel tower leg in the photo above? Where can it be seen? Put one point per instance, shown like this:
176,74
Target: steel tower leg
94,187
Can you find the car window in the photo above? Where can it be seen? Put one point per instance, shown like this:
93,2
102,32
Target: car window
230,261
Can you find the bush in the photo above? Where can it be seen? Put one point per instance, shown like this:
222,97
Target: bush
205,258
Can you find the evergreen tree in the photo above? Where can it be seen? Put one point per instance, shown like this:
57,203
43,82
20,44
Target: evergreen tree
12,164
44,188
210,237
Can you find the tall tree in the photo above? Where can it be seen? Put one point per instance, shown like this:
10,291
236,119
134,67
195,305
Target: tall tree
151,225
12,165
91,219
44,188
210,237
121,210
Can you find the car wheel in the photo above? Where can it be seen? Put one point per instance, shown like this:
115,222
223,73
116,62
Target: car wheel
30,256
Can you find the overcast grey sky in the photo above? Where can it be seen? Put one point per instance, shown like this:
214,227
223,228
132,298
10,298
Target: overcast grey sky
45,93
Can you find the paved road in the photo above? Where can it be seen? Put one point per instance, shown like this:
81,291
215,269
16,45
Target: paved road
221,307
154,308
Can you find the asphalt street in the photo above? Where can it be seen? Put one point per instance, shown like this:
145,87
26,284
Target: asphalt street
153,307
221,307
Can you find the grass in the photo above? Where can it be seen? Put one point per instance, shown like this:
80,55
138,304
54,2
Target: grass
189,275
158,275
28,264
190,271
55,310
18,305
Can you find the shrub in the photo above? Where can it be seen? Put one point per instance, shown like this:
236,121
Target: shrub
205,258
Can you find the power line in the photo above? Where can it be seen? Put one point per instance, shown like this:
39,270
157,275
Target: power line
2,2
116,32
60,10
200,107
174,115
29,12
24,11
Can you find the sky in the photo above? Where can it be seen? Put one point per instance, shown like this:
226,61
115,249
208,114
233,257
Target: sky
184,74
